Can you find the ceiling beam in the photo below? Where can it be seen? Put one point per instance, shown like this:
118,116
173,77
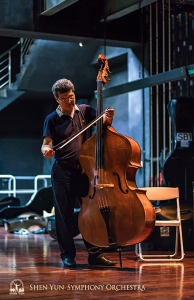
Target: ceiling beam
56,8
66,38
154,80
117,9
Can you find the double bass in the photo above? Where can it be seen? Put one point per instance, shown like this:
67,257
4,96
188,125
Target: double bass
115,212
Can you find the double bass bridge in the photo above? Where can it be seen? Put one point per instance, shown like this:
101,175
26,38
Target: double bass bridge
104,185
100,186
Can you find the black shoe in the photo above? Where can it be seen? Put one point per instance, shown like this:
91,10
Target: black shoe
101,261
69,262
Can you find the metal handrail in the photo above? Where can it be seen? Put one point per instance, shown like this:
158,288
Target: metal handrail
11,180
10,49
5,79
12,186
41,177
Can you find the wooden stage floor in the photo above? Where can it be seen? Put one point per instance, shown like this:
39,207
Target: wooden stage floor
30,268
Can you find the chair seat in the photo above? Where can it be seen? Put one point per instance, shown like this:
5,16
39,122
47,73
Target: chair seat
167,223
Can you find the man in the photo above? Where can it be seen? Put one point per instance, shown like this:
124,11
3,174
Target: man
68,182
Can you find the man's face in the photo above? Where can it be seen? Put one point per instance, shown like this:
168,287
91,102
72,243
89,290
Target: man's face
66,100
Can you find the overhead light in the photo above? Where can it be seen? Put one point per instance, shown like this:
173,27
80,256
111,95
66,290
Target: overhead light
80,44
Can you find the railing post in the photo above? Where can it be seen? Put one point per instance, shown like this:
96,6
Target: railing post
9,68
21,51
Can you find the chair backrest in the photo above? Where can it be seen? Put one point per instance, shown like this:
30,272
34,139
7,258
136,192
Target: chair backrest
161,193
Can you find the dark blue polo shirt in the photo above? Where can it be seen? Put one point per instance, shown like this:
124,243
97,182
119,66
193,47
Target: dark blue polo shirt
59,127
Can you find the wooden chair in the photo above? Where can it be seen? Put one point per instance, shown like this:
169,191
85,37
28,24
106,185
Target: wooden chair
161,194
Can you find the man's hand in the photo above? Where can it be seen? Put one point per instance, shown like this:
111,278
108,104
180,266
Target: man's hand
48,153
46,148
108,116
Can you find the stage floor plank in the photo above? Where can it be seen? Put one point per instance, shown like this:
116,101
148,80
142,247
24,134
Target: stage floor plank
32,261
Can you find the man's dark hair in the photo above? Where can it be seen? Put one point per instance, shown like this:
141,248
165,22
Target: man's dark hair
62,86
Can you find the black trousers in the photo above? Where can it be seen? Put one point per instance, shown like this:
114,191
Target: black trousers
68,184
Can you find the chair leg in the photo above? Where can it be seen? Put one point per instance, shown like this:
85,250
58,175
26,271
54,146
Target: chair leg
136,249
177,241
181,242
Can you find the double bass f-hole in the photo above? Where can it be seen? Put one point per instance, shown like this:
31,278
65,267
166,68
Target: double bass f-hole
119,183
